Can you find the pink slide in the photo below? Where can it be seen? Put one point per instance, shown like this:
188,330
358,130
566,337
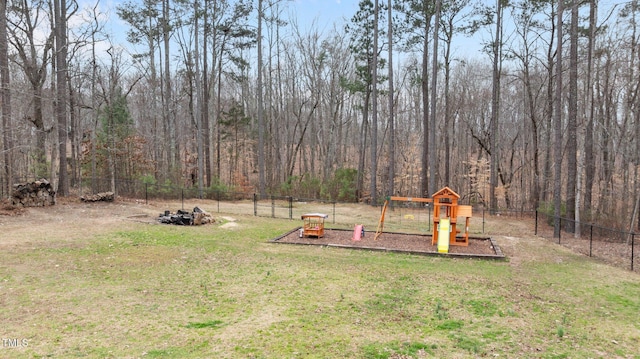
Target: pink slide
357,232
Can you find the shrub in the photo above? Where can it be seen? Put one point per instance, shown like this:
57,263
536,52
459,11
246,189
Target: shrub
287,188
547,208
218,189
343,185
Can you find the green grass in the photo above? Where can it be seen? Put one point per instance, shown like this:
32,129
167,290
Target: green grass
155,291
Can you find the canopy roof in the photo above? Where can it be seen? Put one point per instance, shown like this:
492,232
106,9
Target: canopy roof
316,215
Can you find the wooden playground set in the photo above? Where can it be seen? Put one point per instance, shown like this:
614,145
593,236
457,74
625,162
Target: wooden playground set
448,216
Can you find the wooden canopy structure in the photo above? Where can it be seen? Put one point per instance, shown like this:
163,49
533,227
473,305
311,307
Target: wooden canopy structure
445,205
313,224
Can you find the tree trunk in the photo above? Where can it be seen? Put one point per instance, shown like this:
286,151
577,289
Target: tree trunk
448,128
364,129
572,120
557,146
73,134
374,108
170,131
589,157
219,110
433,154
199,99
94,108
41,167
425,190
392,126
548,116
605,118
5,96
206,97
261,124
534,136
495,109
60,9
35,67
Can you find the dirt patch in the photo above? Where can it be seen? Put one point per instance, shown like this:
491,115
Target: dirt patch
395,242
66,222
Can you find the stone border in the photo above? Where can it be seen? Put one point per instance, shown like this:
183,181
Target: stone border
499,255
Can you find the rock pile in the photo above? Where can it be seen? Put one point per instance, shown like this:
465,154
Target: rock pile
38,193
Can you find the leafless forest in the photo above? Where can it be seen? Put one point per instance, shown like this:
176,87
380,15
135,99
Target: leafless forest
239,95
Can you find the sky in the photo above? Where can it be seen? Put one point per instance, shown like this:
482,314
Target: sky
324,11
323,15
327,12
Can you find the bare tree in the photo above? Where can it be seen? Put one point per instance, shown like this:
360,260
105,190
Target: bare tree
261,124
5,97
418,16
572,118
451,19
145,29
95,27
392,128
26,20
60,10
426,190
199,98
495,103
557,118
533,83
433,154
374,106
589,156
167,96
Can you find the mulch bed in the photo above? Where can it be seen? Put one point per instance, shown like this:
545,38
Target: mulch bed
395,242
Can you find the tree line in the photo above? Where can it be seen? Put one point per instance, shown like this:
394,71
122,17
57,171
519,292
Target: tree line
218,94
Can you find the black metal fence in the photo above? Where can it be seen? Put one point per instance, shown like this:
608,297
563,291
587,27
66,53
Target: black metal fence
227,201
613,246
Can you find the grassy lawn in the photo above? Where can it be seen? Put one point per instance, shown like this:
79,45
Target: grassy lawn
154,291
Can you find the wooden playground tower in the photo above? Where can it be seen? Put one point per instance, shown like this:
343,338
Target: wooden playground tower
445,205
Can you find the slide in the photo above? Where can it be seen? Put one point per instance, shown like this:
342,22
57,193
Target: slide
358,232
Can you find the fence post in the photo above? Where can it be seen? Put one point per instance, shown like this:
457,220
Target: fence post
483,209
334,213
290,207
535,232
273,207
218,199
255,204
182,196
146,193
